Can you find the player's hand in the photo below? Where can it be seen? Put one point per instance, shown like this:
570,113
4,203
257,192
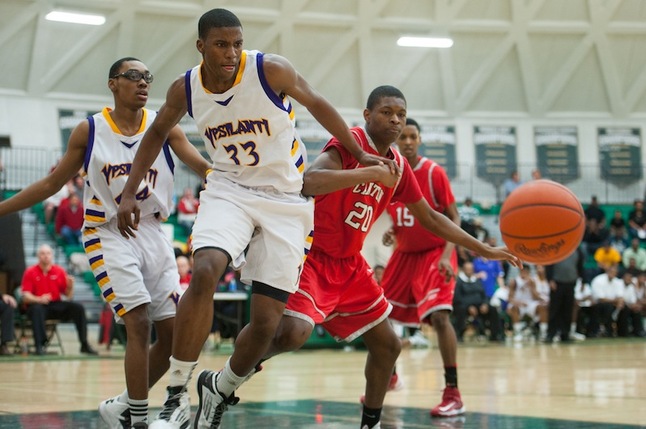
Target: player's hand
366,159
444,265
128,216
389,237
386,176
502,253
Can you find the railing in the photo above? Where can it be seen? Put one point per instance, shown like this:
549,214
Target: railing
23,166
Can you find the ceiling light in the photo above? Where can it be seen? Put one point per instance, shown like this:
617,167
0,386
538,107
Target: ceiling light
425,42
75,18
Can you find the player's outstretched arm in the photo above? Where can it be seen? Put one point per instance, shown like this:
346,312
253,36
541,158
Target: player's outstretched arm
326,174
284,79
66,169
443,227
169,115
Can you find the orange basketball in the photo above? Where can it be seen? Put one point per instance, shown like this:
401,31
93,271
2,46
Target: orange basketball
542,222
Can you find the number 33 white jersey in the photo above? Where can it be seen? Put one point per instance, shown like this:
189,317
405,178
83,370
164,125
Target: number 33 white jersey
249,131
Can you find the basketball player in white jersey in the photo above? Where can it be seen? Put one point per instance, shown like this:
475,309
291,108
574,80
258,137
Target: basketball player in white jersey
239,100
138,278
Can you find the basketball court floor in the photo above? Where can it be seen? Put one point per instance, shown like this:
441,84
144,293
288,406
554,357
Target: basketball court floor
593,384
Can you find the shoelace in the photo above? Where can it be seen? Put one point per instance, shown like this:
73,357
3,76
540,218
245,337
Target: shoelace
221,408
171,404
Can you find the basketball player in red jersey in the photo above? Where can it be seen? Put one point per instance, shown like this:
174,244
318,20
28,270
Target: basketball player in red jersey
419,279
336,287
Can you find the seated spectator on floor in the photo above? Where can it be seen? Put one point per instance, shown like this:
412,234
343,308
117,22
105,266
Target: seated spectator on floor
491,273
43,286
608,300
583,308
471,304
618,225
69,219
378,273
629,321
499,301
7,306
542,284
526,303
187,210
637,221
636,252
607,256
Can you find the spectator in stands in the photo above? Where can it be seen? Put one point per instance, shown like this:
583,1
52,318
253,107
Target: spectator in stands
630,317
471,304
636,252
187,210
79,184
608,300
607,256
69,219
184,269
618,241
43,285
563,277
511,183
468,214
481,233
526,303
7,306
536,174
618,225
491,273
50,205
594,237
637,221
594,213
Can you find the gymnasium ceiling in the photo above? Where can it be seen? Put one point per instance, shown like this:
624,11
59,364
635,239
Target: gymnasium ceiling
518,58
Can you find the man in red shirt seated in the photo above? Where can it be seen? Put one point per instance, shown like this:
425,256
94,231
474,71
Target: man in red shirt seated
42,287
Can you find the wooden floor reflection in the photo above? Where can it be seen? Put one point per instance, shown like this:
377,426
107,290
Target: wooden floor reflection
594,384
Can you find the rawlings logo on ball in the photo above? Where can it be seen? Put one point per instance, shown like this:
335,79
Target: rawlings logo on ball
542,251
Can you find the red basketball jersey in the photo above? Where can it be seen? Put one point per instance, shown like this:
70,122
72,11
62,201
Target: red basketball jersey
358,207
435,186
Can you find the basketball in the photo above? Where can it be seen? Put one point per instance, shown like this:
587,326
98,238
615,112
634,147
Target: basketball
542,222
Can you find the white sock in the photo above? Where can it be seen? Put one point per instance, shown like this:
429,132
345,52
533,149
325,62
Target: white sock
572,328
180,372
228,381
518,327
138,410
542,327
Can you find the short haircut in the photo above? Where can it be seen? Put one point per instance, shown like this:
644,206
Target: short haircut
413,122
114,69
216,18
383,91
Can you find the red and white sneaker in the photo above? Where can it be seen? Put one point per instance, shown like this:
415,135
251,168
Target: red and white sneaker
451,404
395,384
